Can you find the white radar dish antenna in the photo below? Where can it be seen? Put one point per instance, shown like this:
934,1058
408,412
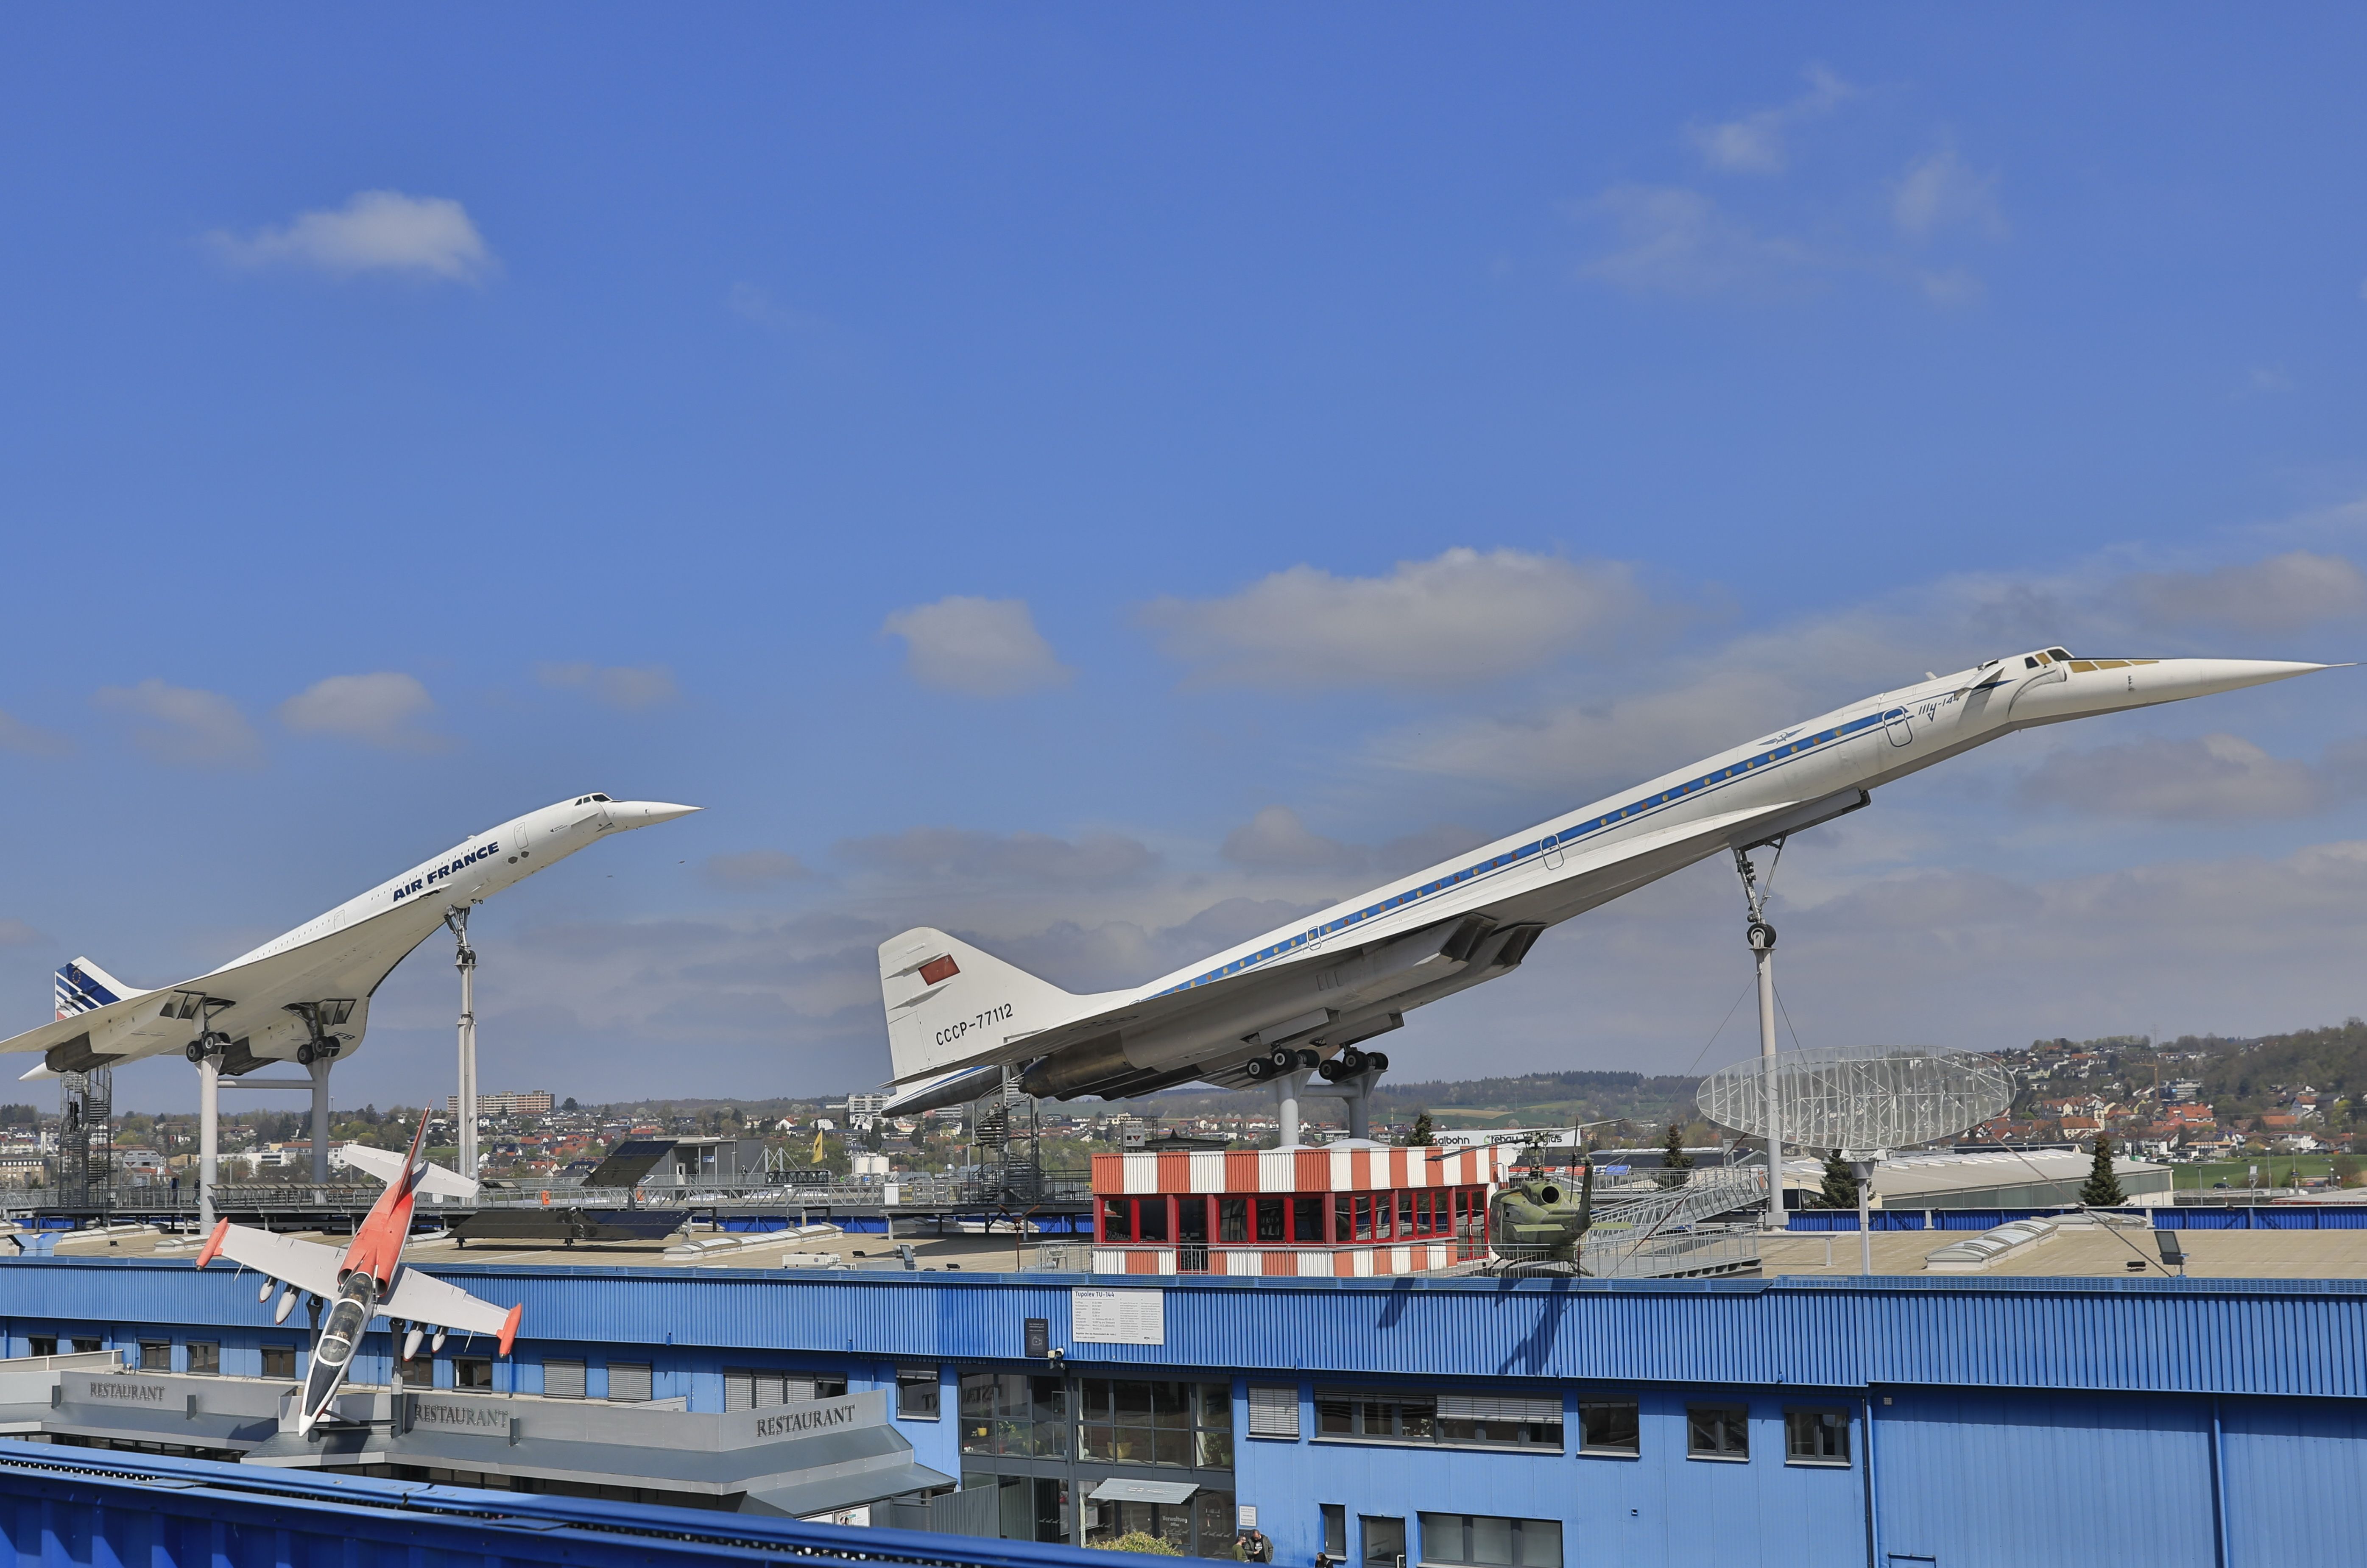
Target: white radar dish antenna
1861,1097
1861,1101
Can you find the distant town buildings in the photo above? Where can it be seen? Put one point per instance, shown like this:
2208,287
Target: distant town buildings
529,1102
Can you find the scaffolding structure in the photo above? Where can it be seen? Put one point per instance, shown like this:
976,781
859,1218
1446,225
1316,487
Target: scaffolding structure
85,1163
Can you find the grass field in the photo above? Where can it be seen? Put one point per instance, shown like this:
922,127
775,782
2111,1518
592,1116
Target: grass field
2276,1171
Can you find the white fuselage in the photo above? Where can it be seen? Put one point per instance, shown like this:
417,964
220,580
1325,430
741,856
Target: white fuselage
1390,936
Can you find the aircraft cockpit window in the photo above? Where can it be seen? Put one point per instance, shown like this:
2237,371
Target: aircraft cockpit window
2058,653
2030,662
604,797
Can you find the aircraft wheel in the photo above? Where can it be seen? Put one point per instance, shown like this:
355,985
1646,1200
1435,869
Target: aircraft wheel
1309,1057
1353,1061
1283,1059
1333,1070
195,1051
1258,1068
1376,1061
305,1054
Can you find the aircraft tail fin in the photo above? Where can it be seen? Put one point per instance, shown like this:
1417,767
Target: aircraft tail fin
949,1004
82,987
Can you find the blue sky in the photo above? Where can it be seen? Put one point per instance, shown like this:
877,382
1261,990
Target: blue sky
1106,480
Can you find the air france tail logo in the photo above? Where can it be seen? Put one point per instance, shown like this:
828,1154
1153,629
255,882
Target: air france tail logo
447,869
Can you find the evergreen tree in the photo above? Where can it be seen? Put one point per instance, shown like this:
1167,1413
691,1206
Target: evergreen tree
1423,1136
2102,1189
1675,1161
1840,1182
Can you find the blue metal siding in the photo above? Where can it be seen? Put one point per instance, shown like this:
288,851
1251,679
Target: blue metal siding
2296,1482
2285,1337
2020,1480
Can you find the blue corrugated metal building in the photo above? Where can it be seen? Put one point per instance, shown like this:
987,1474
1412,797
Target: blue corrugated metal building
1476,1424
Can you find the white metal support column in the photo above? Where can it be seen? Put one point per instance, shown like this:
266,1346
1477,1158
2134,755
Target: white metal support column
1761,936
465,960
209,1136
1286,1091
320,1071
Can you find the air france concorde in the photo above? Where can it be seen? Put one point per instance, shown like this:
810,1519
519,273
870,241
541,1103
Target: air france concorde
1310,993
306,995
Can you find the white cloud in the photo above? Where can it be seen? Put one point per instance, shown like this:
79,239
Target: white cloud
629,687
1674,241
1940,192
755,868
2297,589
16,934
31,740
2207,777
383,710
1952,285
376,230
1038,859
1275,839
751,303
185,725
1753,143
979,648
1460,617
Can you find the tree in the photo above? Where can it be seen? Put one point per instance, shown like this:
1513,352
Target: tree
2102,1189
1423,1134
1675,1161
1840,1182
569,1104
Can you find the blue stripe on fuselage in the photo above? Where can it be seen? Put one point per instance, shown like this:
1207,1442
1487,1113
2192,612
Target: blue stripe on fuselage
1633,811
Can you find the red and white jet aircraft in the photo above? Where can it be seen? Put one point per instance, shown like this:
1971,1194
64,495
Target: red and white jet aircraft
370,1278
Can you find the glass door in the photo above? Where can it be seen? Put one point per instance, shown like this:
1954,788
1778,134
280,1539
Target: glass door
1384,1541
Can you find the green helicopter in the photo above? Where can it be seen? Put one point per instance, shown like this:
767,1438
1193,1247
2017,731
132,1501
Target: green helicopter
1534,1220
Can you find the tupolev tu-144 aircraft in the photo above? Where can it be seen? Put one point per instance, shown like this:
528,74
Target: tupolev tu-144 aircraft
305,995
1310,994
369,1277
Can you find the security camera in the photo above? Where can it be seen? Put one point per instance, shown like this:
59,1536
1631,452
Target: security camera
1058,1354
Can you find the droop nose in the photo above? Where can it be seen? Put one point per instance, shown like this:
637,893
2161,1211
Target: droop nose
642,813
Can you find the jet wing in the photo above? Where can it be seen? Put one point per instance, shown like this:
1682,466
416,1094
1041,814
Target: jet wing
348,963
306,1265
387,1166
422,1298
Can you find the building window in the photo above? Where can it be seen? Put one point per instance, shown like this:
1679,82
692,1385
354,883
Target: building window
1232,1219
916,1392
631,1382
756,1388
1462,1420
417,1372
474,1371
205,1358
1274,1410
1010,1412
1816,1437
155,1355
562,1379
279,1361
1117,1219
43,1345
1717,1432
1150,1219
1335,1534
1307,1221
1494,1542
1143,1421
1613,1428
85,1346
1269,1219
